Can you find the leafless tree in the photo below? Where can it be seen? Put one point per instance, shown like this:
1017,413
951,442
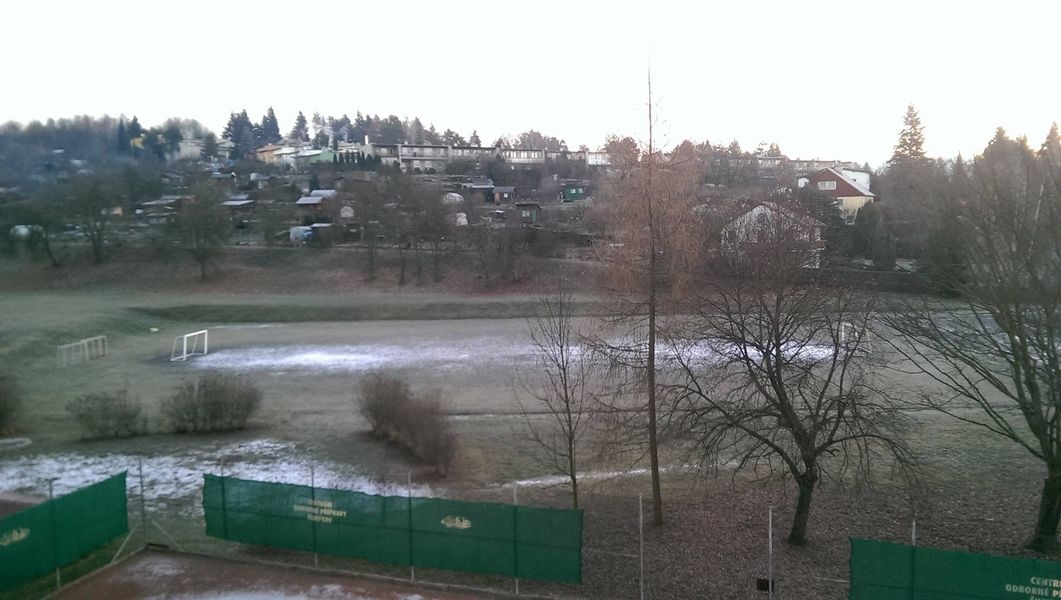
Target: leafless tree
565,398
649,210
995,352
772,370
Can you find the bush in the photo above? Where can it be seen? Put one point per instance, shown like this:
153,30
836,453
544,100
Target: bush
9,401
217,402
108,414
418,424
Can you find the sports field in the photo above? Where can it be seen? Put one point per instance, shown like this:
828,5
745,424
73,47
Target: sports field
307,351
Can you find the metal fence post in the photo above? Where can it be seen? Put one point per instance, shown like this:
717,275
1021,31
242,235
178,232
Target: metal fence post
143,509
641,542
409,522
515,532
55,535
770,542
313,502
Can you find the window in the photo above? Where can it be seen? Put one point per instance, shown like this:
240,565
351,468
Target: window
826,185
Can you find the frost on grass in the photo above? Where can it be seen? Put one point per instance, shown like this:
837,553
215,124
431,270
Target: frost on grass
173,482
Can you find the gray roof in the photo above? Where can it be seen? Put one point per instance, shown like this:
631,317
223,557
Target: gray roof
237,203
309,200
505,189
323,193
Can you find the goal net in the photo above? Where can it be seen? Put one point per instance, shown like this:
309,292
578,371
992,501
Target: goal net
81,351
189,344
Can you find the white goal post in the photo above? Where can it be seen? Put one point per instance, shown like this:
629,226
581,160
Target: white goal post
190,344
81,351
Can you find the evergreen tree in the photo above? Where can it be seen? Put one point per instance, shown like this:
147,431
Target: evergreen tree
270,127
301,130
123,138
911,139
242,133
134,130
1051,148
209,149
474,139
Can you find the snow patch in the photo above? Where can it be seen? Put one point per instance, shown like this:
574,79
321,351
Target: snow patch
176,478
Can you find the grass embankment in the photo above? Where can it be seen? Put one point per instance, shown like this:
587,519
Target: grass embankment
370,311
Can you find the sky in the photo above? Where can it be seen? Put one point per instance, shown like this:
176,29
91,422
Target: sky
822,79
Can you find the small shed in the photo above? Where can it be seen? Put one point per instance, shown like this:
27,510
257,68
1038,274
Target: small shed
529,212
504,194
572,191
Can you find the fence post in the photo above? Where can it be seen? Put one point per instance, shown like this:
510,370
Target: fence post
641,542
515,532
409,522
770,559
55,535
913,554
143,509
224,501
313,502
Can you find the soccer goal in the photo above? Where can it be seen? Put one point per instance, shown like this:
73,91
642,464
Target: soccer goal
190,344
81,351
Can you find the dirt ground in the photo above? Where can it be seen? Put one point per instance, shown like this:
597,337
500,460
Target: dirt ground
164,576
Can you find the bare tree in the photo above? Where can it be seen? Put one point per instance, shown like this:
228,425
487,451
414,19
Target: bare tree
995,352
773,370
92,201
565,398
202,227
649,215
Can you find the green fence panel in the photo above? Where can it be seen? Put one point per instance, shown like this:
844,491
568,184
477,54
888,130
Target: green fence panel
27,545
550,544
38,539
89,517
477,537
886,570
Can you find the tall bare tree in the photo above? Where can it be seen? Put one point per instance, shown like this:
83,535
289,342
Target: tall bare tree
995,353
565,398
773,372
650,216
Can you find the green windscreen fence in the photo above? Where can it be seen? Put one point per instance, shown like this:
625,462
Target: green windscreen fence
883,570
478,537
38,539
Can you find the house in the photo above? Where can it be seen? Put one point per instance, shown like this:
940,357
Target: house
762,222
529,213
266,153
504,194
850,189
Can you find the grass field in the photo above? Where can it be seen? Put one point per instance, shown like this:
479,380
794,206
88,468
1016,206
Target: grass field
307,350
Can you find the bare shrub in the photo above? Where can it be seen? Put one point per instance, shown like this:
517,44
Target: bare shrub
216,402
9,402
108,414
418,424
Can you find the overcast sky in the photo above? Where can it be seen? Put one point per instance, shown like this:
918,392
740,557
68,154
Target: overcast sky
822,79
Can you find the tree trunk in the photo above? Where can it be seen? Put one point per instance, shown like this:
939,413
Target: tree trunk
1044,539
797,536
46,244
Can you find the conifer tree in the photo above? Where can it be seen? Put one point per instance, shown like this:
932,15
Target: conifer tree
911,139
